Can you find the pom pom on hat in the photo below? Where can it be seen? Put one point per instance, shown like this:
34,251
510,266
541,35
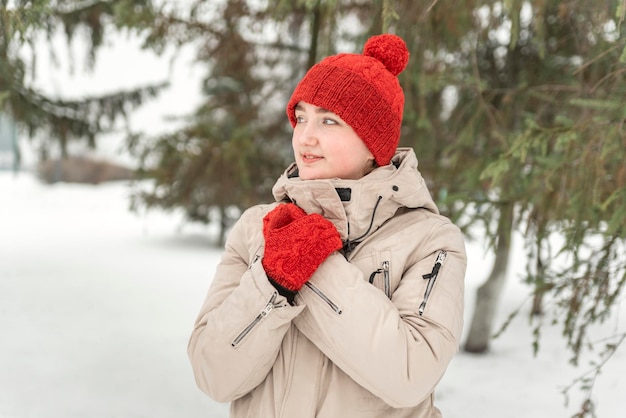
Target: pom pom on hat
363,90
388,49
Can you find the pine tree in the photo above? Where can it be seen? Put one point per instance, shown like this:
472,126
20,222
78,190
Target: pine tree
223,160
531,141
237,142
57,119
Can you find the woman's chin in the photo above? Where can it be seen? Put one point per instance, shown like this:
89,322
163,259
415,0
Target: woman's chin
307,173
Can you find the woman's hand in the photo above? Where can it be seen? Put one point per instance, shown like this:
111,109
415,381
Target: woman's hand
296,244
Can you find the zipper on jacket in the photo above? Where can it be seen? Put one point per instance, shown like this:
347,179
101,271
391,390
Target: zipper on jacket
325,298
386,283
254,260
374,273
432,277
266,311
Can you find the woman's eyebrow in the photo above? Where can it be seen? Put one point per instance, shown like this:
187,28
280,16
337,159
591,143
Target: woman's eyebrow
317,109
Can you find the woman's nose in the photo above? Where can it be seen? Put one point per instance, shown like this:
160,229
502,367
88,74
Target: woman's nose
306,132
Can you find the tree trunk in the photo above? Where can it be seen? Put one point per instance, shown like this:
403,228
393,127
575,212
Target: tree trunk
316,27
537,309
221,239
488,294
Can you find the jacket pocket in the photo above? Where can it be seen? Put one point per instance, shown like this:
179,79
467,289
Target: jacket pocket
384,272
432,278
269,307
377,271
325,298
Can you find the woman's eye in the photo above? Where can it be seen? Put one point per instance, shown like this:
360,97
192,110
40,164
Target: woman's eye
299,119
329,121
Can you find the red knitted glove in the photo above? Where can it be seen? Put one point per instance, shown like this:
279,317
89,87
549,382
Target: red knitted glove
296,244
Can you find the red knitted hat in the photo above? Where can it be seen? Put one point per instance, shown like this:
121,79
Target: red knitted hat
363,90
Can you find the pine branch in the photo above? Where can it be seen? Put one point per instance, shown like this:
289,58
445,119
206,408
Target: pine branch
587,380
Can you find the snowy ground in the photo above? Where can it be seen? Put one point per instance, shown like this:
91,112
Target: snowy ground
97,303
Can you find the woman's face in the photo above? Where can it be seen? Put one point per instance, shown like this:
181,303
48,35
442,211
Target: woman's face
326,147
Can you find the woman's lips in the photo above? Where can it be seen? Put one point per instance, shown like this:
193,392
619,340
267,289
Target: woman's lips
310,158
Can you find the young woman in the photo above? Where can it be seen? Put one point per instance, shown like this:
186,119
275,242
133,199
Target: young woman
344,298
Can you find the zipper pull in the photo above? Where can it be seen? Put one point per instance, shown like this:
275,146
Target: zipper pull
266,311
385,271
374,273
431,277
270,304
268,308
386,282
440,258
254,260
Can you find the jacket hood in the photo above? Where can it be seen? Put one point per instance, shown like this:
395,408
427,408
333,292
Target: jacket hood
359,207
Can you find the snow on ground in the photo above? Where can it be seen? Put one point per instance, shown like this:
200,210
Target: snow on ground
97,304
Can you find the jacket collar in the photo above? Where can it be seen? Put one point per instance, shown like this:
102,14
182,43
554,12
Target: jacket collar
358,208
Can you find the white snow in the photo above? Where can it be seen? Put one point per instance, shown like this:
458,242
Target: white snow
97,304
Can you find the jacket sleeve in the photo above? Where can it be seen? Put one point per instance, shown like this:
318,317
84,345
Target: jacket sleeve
240,304
386,345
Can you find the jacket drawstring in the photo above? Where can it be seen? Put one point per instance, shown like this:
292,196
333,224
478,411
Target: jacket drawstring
348,245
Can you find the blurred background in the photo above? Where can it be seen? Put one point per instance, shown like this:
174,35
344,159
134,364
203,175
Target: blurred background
134,132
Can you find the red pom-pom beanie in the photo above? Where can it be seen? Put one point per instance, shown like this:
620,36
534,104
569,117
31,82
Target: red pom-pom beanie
363,90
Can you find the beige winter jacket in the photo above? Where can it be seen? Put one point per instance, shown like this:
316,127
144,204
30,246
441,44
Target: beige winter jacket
371,333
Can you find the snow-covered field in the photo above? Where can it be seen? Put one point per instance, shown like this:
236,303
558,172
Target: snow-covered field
97,303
